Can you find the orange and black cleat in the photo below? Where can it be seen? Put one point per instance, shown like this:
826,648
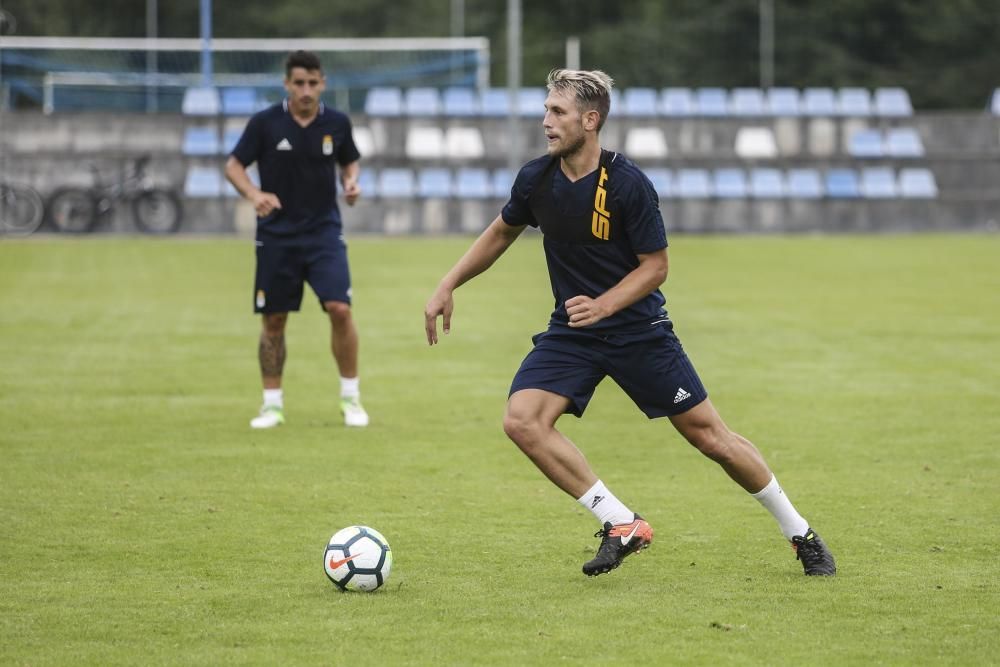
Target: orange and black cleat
616,543
816,558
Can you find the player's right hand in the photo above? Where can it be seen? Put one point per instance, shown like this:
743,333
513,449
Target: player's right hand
264,203
442,304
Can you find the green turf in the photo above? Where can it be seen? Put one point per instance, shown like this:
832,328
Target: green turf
143,522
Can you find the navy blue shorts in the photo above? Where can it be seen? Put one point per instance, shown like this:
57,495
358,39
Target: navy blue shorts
285,265
651,368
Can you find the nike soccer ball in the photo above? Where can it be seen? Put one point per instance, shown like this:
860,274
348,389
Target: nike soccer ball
358,558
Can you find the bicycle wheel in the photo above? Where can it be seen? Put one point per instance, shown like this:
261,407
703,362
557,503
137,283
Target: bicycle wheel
73,210
21,210
157,211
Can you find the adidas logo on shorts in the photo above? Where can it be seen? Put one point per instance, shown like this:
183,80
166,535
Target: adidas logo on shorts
681,395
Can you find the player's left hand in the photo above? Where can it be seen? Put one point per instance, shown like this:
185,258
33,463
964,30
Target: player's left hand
584,311
351,192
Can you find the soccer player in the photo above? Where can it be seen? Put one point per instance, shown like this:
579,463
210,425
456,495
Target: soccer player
298,145
606,251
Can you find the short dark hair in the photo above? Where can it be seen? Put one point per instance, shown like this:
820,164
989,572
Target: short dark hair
307,60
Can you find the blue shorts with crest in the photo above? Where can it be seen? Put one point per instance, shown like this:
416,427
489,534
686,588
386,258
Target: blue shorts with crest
284,265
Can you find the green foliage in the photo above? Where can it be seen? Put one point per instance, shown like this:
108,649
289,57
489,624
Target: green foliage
942,52
145,523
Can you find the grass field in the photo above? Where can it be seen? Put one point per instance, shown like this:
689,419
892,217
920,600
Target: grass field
144,523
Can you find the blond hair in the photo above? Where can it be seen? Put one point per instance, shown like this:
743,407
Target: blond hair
590,88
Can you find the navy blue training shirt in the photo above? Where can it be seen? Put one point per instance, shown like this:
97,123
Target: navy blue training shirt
299,165
593,230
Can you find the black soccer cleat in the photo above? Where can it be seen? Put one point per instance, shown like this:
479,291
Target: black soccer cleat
816,558
616,543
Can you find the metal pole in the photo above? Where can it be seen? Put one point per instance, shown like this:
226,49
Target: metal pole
573,53
513,83
766,43
457,30
152,64
206,42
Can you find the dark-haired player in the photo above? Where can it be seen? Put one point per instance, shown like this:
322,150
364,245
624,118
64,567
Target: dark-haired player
299,146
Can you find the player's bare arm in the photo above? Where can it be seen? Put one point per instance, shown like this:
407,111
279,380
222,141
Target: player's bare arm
480,256
263,202
349,179
649,275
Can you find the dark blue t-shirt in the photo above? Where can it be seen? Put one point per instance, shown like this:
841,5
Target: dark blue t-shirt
593,230
299,165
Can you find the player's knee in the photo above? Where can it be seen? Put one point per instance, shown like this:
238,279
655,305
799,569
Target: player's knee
274,323
520,428
339,312
713,442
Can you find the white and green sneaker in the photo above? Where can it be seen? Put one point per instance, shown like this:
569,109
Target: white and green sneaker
354,414
269,417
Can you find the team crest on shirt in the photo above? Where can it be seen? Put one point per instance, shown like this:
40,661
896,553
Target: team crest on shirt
327,144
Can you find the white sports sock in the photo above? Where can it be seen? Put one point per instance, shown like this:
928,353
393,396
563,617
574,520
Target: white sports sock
780,507
603,504
349,387
273,397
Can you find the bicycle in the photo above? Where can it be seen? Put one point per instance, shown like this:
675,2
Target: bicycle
155,210
21,210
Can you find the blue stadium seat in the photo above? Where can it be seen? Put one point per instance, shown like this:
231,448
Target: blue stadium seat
434,182
201,141
201,182
766,183
892,102
712,101
239,101
384,101
784,102
494,102
229,138
692,184
818,102
201,101
677,102
855,102
662,181
878,183
842,184
747,102
531,102
503,181
903,142
473,183
368,183
729,183
640,102
422,102
865,143
917,183
396,183
995,102
460,101
803,183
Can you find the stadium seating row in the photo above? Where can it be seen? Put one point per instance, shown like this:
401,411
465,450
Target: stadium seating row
632,102
685,183
647,102
641,143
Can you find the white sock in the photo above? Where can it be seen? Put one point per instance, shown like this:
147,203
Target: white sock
603,504
273,397
349,387
780,507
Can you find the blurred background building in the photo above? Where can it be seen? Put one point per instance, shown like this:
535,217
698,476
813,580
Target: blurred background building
748,116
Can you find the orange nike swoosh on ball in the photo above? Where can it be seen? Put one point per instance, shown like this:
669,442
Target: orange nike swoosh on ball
334,564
